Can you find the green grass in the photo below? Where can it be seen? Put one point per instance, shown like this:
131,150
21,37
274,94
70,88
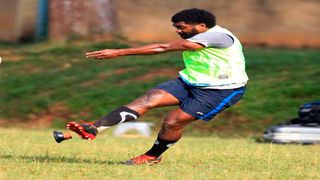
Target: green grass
33,154
58,81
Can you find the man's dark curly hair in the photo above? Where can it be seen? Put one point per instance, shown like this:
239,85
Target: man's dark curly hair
195,16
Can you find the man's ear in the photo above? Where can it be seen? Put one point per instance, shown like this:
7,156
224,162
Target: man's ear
203,25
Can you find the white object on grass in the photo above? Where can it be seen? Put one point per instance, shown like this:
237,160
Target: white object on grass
142,128
293,133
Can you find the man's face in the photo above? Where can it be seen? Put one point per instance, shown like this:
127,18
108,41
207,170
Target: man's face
186,30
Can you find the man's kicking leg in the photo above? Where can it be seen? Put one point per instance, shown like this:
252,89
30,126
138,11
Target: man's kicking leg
90,130
153,98
169,134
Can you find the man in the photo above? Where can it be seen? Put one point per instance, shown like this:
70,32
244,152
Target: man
214,79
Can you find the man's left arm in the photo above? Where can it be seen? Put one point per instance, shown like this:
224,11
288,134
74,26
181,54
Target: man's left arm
145,50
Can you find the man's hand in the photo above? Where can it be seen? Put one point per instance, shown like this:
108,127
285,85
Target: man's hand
103,54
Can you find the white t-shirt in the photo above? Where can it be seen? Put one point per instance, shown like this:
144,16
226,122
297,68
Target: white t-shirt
213,39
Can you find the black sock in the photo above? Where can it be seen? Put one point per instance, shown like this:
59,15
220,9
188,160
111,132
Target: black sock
159,147
122,114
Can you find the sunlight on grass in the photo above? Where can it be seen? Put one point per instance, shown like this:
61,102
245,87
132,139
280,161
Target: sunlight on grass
34,154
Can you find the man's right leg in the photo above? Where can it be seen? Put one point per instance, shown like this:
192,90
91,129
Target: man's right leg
151,99
170,133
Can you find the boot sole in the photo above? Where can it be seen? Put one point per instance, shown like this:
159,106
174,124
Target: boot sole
77,128
149,163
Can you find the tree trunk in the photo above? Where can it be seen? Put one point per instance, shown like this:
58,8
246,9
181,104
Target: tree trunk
74,19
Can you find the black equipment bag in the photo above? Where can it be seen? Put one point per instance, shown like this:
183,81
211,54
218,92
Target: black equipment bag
309,113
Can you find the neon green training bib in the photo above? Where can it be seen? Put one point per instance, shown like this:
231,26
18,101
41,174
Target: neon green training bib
216,68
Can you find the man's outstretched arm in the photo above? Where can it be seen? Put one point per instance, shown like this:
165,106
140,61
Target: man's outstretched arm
145,50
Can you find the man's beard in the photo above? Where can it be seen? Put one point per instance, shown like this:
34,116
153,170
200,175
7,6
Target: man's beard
185,35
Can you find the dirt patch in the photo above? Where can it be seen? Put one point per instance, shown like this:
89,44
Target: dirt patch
7,55
58,111
122,71
45,120
90,83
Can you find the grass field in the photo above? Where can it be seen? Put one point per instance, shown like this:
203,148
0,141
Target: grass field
56,83
33,154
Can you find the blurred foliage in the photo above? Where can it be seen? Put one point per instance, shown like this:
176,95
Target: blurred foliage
57,80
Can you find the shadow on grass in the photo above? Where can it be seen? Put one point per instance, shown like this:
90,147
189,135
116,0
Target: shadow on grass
61,159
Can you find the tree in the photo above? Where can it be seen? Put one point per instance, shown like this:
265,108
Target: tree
73,19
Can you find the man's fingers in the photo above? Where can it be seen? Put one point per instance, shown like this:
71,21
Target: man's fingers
100,54
93,55
96,54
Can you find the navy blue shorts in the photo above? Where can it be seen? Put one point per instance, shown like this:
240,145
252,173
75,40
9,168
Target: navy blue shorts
201,103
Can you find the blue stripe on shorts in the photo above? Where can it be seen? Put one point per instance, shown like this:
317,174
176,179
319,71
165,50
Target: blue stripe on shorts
221,105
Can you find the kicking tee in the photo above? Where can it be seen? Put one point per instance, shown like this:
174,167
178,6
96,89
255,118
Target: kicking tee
219,65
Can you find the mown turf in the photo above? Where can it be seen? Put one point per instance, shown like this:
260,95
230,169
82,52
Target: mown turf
33,154
58,82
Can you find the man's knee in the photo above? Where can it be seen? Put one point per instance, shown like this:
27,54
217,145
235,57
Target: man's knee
176,120
149,100
171,123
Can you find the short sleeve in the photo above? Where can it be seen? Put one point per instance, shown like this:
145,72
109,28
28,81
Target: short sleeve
213,39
